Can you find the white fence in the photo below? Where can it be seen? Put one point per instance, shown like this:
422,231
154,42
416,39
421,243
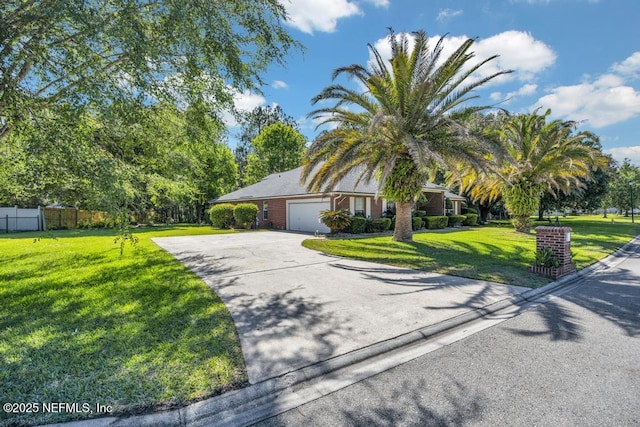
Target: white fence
17,219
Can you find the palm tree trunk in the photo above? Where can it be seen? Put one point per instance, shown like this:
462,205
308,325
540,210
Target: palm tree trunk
522,224
403,231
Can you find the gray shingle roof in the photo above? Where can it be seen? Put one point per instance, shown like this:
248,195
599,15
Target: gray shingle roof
287,184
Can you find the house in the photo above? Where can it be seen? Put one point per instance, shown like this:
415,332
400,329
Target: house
284,203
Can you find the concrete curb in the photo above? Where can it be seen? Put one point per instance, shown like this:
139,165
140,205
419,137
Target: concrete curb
253,401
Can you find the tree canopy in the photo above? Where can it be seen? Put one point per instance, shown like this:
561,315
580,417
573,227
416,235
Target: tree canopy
535,156
278,148
96,52
252,123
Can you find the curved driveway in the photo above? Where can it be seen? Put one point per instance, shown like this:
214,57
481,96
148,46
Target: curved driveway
294,307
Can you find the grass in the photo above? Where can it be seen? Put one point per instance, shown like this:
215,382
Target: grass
79,323
495,252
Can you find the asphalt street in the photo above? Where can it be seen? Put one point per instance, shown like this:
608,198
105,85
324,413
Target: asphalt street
573,360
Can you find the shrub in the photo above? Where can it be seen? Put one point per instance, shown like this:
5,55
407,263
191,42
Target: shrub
420,214
466,210
245,214
386,224
417,223
472,219
433,222
368,226
455,220
336,220
358,225
221,215
545,258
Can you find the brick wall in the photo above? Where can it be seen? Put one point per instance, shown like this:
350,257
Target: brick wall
556,239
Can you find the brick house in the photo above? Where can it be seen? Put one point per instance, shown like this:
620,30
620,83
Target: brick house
285,204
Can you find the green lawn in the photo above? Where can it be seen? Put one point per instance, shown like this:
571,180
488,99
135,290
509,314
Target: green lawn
494,252
80,323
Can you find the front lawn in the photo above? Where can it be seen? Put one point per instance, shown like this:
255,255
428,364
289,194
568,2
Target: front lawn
494,252
79,323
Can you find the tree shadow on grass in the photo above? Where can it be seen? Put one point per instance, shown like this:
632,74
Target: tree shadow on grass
141,334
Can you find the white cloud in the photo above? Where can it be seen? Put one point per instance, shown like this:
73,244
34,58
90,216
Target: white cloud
630,66
320,15
601,102
518,51
620,153
243,101
279,84
379,3
447,13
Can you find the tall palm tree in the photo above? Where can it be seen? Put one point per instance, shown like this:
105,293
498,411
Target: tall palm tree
536,156
409,119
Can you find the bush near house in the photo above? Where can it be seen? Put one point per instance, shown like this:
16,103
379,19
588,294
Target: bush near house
455,220
436,221
222,215
358,225
245,214
336,220
417,223
472,219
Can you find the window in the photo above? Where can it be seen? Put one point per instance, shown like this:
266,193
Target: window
265,210
359,206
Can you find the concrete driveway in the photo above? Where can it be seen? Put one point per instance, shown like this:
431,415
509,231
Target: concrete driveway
294,307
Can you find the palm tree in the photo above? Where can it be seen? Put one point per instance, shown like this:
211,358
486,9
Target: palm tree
409,119
536,157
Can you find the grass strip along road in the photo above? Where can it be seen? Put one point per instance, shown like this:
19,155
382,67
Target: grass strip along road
495,252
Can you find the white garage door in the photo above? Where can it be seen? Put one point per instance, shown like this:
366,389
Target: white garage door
304,215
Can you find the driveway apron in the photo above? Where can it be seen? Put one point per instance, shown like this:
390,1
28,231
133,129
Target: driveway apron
294,307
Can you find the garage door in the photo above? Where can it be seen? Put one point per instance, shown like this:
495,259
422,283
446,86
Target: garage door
304,215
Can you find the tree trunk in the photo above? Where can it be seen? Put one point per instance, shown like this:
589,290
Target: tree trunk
403,230
522,224
483,210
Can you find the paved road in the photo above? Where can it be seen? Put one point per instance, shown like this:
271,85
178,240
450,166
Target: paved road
572,361
294,307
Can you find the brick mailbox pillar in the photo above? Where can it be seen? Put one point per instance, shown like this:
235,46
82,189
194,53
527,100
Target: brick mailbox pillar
559,240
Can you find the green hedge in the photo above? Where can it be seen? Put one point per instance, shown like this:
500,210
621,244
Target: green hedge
455,220
221,215
245,214
472,219
434,222
420,214
358,225
416,223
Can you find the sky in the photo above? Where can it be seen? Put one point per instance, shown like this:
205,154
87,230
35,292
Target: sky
579,58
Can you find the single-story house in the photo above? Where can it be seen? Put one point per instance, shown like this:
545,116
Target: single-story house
284,203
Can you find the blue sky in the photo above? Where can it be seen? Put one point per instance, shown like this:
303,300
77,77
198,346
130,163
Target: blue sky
580,58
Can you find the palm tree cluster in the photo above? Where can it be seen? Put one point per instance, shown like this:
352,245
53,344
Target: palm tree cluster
412,118
535,156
